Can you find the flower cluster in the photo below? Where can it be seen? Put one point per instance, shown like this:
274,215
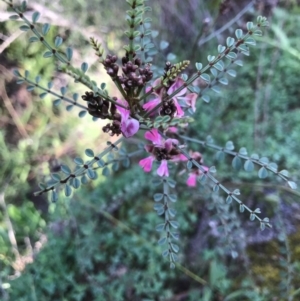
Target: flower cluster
161,150
171,107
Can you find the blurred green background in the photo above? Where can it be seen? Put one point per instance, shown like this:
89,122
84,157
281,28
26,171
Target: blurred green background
101,243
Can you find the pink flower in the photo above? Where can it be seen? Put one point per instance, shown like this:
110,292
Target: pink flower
160,150
163,170
129,126
146,163
192,180
190,100
179,82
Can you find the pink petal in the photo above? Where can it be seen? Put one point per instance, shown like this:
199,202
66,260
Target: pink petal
151,104
169,144
172,129
191,100
129,127
146,163
180,112
153,136
124,112
192,180
177,84
163,169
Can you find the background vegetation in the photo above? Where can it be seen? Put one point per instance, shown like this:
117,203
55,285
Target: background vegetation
100,244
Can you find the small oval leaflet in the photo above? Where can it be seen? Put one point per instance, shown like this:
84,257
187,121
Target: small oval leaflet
78,161
82,114
45,29
84,67
172,197
263,173
237,163
228,199
47,54
248,165
65,169
33,39
68,190
89,152
35,17
24,27
239,33
158,197
162,241
198,66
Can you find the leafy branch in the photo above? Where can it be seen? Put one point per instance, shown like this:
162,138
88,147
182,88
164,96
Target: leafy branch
263,162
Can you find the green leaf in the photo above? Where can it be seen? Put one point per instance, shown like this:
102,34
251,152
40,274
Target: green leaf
219,66
237,163
231,55
228,199
175,248
14,17
78,161
206,98
82,113
42,95
68,190
250,41
220,155
216,188
262,173
158,197
250,26
229,41
55,177
284,172
162,241
56,102
221,48
231,72
33,39
24,27
90,173
249,166
262,226
84,67
212,169
76,183
229,145
45,29
30,88
239,33
163,45
54,196
205,77
89,152
156,181
48,54
171,183
35,17
65,169
189,164
69,53
174,224
292,184
172,197
198,66
160,227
